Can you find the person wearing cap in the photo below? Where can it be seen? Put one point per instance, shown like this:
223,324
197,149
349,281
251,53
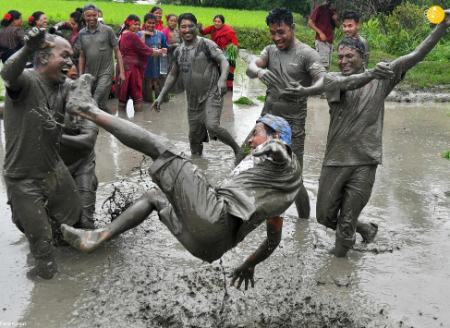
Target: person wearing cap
285,63
208,221
97,43
354,144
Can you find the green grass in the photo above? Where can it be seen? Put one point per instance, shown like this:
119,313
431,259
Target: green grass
115,13
244,101
261,98
446,154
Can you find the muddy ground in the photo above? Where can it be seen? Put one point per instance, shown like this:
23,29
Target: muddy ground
145,279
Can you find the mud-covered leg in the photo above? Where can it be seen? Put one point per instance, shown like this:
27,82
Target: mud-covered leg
89,240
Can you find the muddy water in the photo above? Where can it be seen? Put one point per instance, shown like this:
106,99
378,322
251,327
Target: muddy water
145,279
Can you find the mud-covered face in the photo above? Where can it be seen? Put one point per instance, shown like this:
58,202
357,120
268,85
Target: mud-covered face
42,21
59,62
259,136
218,23
91,18
172,22
150,24
136,26
350,61
188,30
350,27
282,35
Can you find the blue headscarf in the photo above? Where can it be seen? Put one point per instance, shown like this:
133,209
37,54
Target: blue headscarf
278,124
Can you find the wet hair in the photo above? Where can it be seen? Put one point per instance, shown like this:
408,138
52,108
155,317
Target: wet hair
187,16
43,53
155,8
90,7
149,16
354,43
351,15
9,17
77,16
170,16
280,16
219,17
34,17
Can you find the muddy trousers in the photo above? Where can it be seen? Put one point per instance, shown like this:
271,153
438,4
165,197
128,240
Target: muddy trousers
204,120
343,193
40,206
101,90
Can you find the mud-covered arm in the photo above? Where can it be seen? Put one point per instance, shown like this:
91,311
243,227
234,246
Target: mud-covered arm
12,70
83,141
170,82
245,272
119,60
404,63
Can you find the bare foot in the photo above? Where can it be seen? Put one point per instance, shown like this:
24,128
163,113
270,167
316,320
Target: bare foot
84,240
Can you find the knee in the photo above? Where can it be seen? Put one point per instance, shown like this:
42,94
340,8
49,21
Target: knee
326,221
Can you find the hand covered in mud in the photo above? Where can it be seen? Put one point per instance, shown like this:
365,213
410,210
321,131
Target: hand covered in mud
274,149
295,90
382,71
446,21
267,77
79,99
156,106
222,85
35,39
244,274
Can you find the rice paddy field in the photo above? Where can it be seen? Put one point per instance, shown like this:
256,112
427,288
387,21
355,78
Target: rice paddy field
115,13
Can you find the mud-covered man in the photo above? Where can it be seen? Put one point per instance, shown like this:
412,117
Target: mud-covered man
41,192
285,63
354,143
350,26
203,69
98,43
207,221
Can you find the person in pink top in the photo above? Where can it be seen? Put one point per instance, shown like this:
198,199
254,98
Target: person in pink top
134,53
158,12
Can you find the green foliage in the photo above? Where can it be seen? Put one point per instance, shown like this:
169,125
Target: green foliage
261,98
246,149
231,52
244,101
446,154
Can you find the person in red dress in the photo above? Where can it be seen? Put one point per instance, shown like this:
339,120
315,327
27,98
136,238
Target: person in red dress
134,53
158,12
223,35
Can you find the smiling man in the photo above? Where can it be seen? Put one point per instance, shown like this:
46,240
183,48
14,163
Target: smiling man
203,69
286,63
208,221
41,192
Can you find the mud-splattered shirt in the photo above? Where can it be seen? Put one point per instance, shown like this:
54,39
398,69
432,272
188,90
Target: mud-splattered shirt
97,47
198,66
32,131
356,124
260,188
298,64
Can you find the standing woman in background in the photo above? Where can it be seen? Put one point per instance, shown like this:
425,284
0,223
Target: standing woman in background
38,19
11,34
158,12
154,39
172,34
134,55
224,36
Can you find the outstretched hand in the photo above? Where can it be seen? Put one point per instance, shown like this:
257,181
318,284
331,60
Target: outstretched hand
245,274
80,99
156,106
35,39
267,77
275,149
383,71
446,21
295,90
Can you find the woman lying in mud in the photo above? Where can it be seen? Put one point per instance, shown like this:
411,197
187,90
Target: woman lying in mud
208,221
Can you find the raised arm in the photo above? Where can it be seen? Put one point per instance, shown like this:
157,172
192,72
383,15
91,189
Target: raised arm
245,272
404,63
13,68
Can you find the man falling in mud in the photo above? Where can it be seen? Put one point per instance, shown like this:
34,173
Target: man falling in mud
354,145
41,192
207,221
197,61
288,62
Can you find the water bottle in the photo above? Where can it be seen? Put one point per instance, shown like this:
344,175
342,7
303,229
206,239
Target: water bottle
163,64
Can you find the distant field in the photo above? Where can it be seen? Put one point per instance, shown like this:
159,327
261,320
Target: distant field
115,13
